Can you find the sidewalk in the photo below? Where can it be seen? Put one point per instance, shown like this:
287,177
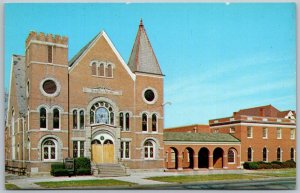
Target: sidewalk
136,177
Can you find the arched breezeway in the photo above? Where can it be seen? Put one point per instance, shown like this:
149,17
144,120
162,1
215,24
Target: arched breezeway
188,158
203,158
172,157
218,158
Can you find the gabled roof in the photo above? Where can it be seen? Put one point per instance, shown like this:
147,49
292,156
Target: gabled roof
20,82
265,111
199,137
142,58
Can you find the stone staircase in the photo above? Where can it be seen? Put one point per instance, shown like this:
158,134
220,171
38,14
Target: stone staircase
109,170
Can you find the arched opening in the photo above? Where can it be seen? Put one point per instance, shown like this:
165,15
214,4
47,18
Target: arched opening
172,158
188,158
203,158
218,158
231,155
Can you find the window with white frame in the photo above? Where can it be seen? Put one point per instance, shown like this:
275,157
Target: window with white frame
125,149
56,118
49,150
278,154
249,132
43,118
102,113
278,133
293,133
81,119
231,156
78,149
124,122
149,148
265,151
265,133
144,122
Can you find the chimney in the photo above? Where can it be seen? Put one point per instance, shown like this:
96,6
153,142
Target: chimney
262,112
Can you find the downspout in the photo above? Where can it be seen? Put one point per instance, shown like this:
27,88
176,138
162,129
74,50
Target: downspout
23,149
68,115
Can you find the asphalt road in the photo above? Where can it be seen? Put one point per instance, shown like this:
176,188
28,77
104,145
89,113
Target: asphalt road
274,184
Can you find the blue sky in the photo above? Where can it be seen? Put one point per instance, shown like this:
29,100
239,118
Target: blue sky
217,58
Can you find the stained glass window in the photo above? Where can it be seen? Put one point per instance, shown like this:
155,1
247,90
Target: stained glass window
56,118
231,156
144,122
43,117
154,122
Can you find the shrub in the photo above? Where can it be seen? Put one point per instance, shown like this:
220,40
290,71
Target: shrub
253,165
60,172
276,166
82,162
276,162
246,165
56,166
289,164
83,171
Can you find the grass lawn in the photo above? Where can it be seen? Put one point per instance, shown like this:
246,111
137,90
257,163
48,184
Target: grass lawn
11,187
200,178
84,183
278,172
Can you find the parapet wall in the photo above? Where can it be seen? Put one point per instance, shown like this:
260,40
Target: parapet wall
46,38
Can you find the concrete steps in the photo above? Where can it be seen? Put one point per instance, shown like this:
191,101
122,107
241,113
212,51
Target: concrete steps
109,170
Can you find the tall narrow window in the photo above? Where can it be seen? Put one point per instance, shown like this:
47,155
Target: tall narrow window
154,123
249,132
43,118
292,133
264,154
92,114
278,154
125,149
278,133
78,149
121,121
127,122
109,71
94,68
50,54
144,122
112,118
249,154
149,150
101,70
265,133
75,119
81,113
55,118
292,154
231,156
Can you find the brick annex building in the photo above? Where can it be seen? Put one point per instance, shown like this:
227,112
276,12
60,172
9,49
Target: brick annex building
256,134
97,106
94,105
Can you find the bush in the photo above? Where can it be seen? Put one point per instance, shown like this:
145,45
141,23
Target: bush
83,171
56,166
275,166
253,166
289,164
60,172
276,162
82,166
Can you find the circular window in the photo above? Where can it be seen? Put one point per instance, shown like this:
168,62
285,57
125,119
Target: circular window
149,95
49,86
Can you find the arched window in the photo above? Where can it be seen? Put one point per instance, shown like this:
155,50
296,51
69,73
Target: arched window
154,122
149,149
144,122
55,118
127,122
49,150
75,119
264,154
278,154
109,71
43,118
121,121
249,154
231,157
292,154
81,113
101,70
94,67
102,113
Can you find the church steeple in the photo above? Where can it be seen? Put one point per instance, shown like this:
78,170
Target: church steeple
142,58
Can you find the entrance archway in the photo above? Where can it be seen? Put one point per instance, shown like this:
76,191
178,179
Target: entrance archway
103,149
203,158
173,158
218,158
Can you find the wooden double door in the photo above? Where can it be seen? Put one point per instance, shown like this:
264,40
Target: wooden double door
103,153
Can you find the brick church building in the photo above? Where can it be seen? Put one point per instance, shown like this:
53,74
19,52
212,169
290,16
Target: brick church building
94,105
100,107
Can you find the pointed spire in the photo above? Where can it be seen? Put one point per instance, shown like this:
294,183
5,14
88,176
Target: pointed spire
142,58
